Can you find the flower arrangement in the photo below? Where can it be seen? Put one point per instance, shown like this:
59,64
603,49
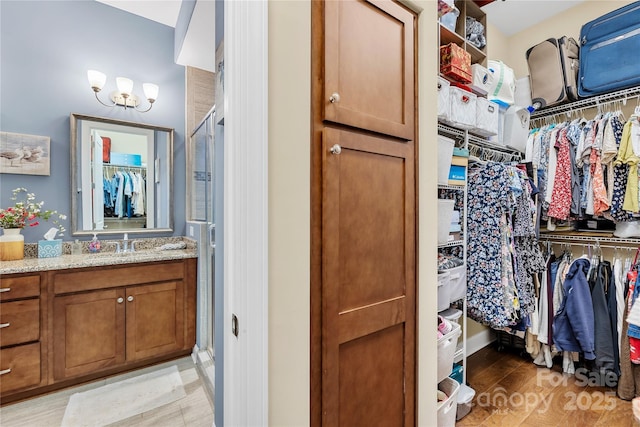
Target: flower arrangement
27,212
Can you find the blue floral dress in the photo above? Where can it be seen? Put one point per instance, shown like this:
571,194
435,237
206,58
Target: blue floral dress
491,300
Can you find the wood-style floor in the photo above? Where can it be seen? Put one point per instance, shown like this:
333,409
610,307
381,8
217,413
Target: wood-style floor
193,410
512,391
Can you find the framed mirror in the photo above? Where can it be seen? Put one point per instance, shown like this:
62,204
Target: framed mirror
121,176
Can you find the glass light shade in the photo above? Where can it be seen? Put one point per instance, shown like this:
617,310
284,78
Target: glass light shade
125,85
150,91
96,79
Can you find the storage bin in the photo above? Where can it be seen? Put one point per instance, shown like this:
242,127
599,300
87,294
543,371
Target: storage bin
444,296
516,128
445,210
446,352
455,63
447,408
452,314
457,282
465,399
444,105
522,96
487,117
457,372
463,108
445,153
450,19
481,77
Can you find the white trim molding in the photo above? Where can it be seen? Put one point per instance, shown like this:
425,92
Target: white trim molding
245,212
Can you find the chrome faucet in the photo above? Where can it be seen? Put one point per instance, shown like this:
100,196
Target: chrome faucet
125,244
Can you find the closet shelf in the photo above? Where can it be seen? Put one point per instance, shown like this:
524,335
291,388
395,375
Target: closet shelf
452,244
477,141
451,187
593,101
588,237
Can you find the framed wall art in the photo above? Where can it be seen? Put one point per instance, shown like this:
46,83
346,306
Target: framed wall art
25,154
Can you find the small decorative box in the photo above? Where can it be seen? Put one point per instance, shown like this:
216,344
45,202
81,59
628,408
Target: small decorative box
455,63
49,248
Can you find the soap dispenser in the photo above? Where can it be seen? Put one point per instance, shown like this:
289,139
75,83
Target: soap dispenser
94,244
76,248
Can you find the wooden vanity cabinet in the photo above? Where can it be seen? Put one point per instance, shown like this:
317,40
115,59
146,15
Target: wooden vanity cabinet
21,336
118,316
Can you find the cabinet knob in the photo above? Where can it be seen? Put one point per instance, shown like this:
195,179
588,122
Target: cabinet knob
5,371
120,300
335,97
336,149
2,290
4,325
130,298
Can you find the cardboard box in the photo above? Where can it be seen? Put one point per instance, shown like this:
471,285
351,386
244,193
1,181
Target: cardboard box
458,173
459,161
455,63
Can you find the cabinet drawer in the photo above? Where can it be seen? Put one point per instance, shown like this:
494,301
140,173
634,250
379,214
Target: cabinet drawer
19,322
117,276
19,367
19,287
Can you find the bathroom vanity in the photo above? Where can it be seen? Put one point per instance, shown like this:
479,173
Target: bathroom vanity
77,318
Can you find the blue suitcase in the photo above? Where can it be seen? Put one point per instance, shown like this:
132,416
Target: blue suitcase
610,52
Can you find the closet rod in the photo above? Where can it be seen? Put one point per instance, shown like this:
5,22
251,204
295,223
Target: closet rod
593,101
486,153
590,239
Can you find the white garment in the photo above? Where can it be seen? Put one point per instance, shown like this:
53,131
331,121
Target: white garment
543,311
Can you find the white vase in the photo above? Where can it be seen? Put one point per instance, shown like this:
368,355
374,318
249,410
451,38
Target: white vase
11,244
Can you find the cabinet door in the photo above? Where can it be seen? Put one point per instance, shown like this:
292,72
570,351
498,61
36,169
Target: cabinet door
369,65
88,332
155,319
368,283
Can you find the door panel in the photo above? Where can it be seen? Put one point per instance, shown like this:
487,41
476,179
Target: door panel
155,319
368,291
369,63
88,332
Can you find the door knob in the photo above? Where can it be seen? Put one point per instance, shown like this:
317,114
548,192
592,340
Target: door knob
130,298
335,97
336,149
120,300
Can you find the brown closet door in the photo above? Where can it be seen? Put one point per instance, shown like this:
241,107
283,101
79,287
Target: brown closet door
369,65
368,291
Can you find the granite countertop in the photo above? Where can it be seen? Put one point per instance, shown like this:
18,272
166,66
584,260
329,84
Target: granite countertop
146,251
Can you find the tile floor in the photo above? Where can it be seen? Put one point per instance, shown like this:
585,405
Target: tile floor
194,410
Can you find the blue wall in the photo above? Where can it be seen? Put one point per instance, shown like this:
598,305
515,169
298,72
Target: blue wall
47,48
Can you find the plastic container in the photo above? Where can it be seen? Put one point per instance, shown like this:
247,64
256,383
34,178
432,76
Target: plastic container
516,128
465,399
456,372
463,108
445,154
447,408
445,210
444,294
446,352
450,19
457,283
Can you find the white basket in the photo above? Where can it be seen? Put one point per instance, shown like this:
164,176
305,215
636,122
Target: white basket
487,117
447,408
465,398
444,291
445,153
444,105
445,210
463,108
516,128
446,351
457,282
481,77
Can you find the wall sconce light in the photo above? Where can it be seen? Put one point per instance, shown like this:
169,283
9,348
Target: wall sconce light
123,96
